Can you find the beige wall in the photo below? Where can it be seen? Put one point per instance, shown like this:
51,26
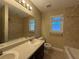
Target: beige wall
71,28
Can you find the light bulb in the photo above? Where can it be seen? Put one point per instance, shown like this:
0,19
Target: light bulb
28,5
23,1
30,8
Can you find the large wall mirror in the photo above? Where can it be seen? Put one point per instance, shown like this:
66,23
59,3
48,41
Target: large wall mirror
29,26
16,19
15,24
19,24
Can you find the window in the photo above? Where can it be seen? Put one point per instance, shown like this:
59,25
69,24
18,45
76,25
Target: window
57,24
32,25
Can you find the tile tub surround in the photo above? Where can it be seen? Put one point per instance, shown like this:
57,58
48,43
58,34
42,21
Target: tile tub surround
13,43
26,49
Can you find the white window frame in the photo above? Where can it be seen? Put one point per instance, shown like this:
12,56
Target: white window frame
62,22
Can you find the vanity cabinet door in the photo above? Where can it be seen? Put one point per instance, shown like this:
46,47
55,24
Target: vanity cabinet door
39,54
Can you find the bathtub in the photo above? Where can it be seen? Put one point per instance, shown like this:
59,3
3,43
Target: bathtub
72,53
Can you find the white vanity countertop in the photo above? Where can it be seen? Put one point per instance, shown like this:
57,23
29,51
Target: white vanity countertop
26,49
7,44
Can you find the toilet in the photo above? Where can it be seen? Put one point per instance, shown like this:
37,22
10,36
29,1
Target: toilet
47,45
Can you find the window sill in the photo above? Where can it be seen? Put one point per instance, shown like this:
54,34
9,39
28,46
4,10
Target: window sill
57,33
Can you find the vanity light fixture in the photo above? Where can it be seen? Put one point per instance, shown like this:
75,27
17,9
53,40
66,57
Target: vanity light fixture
29,7
24,4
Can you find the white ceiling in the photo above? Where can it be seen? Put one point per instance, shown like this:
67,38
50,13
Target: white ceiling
55,4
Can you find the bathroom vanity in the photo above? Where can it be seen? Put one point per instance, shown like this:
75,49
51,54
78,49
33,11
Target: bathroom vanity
39,54
28,50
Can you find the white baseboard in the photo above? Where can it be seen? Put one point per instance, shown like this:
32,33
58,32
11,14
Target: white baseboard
58,49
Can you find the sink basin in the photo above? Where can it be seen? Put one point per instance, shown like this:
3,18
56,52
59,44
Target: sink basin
9,55
34,41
